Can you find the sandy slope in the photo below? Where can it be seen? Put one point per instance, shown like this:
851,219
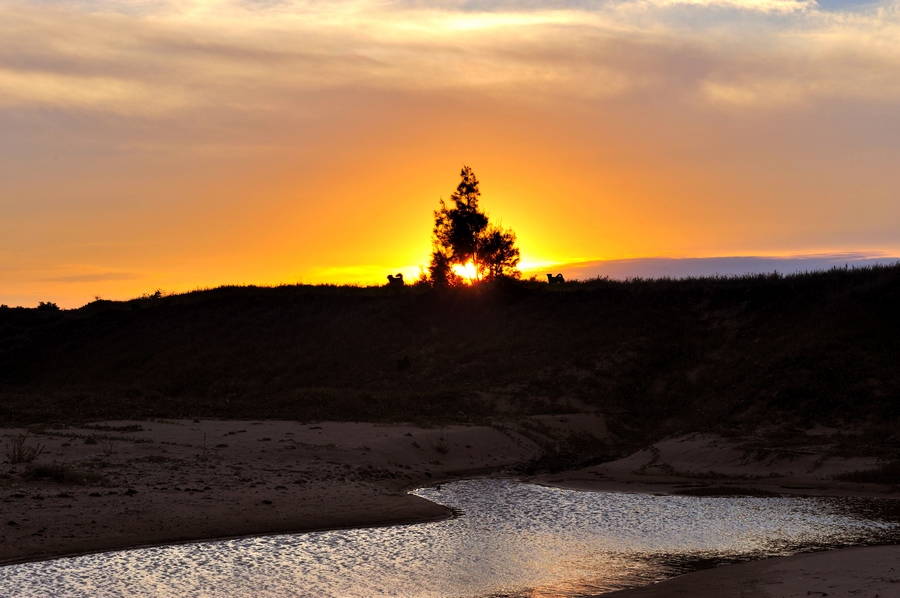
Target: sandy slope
805,466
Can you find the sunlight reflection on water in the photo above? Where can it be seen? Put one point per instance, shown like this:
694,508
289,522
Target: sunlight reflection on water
514,539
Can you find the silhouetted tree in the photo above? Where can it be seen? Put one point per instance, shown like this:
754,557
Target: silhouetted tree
441,269
498,254
462,234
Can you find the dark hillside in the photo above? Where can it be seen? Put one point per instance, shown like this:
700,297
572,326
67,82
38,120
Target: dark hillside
662,355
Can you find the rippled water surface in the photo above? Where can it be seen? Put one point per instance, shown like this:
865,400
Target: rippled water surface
512,539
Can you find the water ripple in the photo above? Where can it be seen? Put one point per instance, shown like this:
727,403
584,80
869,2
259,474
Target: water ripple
512,539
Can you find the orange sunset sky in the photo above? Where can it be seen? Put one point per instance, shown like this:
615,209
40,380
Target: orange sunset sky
181,144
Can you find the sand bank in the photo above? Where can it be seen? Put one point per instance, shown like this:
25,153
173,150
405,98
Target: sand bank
872,572
130,483
698,463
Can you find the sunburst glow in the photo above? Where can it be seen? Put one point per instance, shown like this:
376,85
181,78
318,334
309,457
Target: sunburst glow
467,271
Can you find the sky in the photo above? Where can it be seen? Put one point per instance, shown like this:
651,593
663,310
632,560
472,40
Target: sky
183,144
682,267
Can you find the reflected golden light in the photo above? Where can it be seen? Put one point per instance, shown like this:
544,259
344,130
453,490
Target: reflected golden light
467,272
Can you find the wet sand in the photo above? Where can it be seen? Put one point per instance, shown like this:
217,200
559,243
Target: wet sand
872,572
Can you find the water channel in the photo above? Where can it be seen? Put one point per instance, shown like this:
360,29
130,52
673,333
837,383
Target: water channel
511,539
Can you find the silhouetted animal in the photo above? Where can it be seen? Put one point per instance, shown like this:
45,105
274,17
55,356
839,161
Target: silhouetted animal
395,281
558,279
403,364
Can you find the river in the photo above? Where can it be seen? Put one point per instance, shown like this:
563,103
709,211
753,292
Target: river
509,539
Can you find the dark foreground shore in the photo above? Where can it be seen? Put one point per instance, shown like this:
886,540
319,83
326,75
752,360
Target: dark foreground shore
871,572
119,484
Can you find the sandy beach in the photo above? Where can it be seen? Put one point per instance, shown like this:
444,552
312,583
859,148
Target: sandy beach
126,483
118,484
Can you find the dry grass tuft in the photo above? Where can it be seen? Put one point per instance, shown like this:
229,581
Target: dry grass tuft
18,451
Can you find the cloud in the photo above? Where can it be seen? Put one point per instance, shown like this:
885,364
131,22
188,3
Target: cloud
98,277
659,267
162,57
110,94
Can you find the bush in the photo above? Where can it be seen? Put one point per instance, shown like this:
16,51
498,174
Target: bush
17,451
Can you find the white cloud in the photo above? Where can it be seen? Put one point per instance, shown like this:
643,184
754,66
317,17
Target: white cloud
764,6
114,94
154,57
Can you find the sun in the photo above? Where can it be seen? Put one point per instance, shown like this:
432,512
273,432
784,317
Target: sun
466,271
